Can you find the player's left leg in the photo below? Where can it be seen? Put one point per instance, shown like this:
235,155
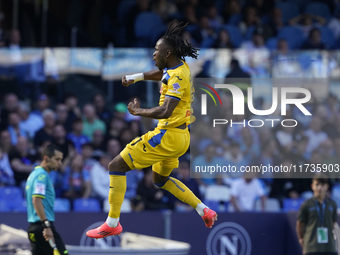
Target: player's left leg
161,172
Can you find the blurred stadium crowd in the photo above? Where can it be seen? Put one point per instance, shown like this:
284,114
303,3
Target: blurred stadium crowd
91,135
298,24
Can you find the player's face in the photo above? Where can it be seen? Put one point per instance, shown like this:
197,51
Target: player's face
159,56
55,162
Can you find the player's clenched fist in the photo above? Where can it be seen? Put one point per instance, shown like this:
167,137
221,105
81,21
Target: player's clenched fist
126,82
133,106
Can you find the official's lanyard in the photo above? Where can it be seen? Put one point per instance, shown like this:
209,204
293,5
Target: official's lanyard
321,214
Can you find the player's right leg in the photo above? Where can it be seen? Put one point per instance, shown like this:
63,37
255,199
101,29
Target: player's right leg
117,170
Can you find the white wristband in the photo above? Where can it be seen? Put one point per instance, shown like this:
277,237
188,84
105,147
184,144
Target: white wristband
135,77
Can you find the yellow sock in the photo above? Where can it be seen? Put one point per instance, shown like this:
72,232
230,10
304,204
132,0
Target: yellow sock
182,192
117,193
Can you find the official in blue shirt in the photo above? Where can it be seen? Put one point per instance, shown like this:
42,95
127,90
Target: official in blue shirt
40,197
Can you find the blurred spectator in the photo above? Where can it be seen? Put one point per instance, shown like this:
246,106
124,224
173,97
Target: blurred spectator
6,172
120,110
11,105
76,136
2,41
218,139
282,47
251,19
298,154
332,108
59,138
232,12
16,128
77,182
91,121
334,158
5,140
285,138
46,133
314,41
189,14
102,112
249,146
275,24
257,42
236,72
215,21
126,137
305,23
333,129
14,45
270,156
71,102
133,178
315,135
223,40
31,123
234,157
98,144
204,31
62,117
209,158
327,150
151,195
136,128
164,8
262,7
86,152
100,180
334,25
113,148
22,160
43,103
244,193
184,176
285,186
141,6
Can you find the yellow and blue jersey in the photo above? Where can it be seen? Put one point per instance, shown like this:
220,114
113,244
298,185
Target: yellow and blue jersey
177,84
39,184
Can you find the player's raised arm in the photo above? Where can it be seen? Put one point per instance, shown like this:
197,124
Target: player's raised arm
163,111
153,75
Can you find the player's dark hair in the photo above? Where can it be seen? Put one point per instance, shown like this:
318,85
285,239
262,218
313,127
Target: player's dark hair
181,48
49,151
321,178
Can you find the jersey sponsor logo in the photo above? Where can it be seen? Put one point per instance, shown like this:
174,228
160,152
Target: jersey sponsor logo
178,78
176,86
188,113
40,188
41,177
173,91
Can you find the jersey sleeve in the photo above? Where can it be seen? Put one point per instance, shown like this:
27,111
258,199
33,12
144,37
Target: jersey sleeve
39,186
177,87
